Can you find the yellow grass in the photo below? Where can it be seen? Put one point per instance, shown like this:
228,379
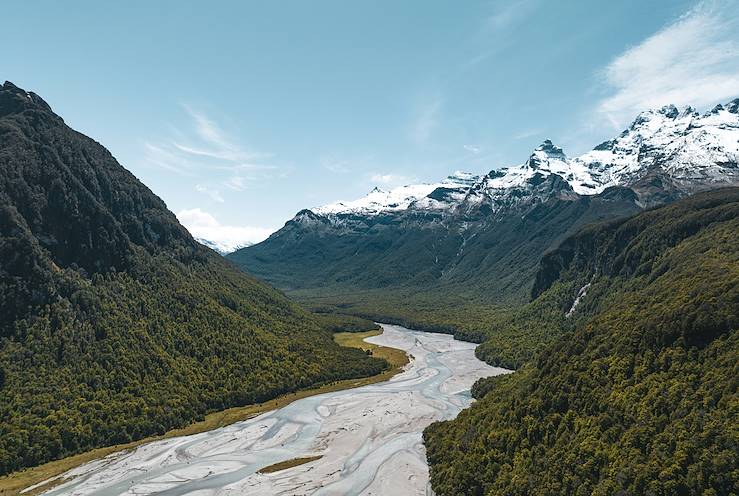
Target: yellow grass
17,481
396,358
288,464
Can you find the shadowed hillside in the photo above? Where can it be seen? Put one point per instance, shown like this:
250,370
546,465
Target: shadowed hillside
114,323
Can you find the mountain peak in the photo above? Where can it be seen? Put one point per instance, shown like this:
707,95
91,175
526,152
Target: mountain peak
715,110
461,179
733,106
657,115
545,152
664,141
689,111
669,111
14,100
550,148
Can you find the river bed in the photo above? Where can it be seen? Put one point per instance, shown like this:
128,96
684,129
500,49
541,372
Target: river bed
369,437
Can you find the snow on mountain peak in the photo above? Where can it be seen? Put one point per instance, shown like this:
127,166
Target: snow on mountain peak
545,160
685,145
694,150
462,176
378,201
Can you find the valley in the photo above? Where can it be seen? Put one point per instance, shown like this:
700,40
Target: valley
115,324
368,438
462,255
608,281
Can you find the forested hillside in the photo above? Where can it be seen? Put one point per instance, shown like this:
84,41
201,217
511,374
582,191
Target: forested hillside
423,270
641,397
114,323
461,254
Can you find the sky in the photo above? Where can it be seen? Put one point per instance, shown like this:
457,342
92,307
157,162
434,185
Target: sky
240,114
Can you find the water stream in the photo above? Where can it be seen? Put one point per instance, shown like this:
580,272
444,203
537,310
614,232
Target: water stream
369,437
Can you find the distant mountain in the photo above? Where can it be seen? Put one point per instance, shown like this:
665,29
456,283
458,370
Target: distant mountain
480,239
378,201
684,151
635,390
115,323
222,247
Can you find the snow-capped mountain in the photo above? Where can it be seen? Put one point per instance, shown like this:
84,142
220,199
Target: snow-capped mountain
693,150
684,150
484,236
397,199
223,247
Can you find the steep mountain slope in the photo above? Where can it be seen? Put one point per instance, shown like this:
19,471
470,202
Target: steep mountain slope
642,397
114,323
476,241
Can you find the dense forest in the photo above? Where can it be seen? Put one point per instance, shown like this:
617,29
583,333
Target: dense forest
456,275
637,391
114,323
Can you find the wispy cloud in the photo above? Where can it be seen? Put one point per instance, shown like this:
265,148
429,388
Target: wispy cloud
694,60
505,14
214,194
218,144
204,150
391,180
166,159
472,148
426,118
493,34
205,226
334,164
527,133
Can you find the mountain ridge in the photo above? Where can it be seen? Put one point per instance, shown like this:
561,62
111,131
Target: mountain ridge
481,237
655,137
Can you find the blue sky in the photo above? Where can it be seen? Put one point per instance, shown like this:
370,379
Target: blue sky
242,113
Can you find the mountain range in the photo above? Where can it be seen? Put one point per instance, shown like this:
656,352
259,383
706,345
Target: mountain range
609,280
680,151
475,242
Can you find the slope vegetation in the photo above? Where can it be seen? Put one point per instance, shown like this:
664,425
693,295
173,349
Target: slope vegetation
114,323
445,274
460,254
641,398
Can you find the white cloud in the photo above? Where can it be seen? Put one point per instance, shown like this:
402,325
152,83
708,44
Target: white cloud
204,226
426,119
205,150
392,179
236,183
166,159
527,133
472,148
214,194
505,14
335,165
693,61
